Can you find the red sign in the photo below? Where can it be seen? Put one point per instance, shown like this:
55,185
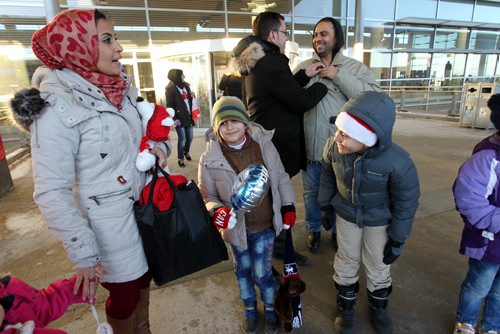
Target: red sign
2,150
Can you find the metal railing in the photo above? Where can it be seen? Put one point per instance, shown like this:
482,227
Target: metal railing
445,100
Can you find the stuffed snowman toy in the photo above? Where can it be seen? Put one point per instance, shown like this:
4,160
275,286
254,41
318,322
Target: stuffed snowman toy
156,123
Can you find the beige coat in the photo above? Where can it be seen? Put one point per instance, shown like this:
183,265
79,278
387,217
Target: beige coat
353,77
216,178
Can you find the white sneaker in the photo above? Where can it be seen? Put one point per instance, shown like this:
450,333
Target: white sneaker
463,328
482,331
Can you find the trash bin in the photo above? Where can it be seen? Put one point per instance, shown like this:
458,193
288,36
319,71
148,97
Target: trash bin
469,105
475,112
5,178
483,112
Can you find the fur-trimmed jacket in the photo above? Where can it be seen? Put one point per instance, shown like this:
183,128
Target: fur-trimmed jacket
83,152
216,177
276,99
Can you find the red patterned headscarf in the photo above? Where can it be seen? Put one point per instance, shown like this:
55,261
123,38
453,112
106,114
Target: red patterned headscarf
70,41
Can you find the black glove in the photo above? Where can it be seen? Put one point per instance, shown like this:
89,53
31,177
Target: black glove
392,250
327,217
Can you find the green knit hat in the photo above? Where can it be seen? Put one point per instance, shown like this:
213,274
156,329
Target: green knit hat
229,107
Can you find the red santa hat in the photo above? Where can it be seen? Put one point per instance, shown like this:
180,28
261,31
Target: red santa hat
356,128
156,129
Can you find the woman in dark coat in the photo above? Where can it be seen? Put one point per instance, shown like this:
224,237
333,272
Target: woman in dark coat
179,98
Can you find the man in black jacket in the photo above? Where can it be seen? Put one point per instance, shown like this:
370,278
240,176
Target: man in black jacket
275,97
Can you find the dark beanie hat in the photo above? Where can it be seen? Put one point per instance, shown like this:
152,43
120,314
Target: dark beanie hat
229,107
494,105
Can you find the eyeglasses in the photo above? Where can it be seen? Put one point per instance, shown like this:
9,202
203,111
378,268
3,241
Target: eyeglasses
286,32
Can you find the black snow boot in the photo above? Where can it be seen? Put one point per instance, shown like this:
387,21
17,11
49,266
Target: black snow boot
379,315
346,301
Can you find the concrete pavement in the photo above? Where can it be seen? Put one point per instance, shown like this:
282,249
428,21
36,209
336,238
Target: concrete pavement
426,278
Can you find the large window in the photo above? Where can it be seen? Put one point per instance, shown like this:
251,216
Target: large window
451,38
411,69
379,9
320,8
379,64
458,10
485,40
480,66
412,8
409,37
487,11
378,35
448,69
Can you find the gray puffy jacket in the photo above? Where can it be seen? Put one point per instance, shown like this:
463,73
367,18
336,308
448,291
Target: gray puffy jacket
379,187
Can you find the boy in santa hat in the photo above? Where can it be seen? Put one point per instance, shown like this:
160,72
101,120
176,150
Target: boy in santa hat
372,185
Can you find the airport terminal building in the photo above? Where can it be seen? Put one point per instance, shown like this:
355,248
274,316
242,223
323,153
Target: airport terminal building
424,43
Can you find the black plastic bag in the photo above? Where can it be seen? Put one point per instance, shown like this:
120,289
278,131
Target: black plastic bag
182,240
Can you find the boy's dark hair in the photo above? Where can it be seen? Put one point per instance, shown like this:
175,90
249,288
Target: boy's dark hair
339,33
494,105
266,22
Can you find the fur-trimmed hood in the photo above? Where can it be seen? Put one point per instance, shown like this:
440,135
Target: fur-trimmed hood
26,105
250,50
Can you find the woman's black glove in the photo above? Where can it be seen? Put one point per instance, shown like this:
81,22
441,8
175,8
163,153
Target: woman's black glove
327,217
392,251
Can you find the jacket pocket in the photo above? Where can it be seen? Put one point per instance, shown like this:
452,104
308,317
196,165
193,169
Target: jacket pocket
109,198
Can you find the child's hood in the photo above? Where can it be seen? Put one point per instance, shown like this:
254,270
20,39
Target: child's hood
376,109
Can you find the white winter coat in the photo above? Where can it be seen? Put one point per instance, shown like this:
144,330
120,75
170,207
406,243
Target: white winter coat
84,152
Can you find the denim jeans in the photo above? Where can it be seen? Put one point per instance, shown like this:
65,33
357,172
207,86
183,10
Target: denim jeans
482,281
184,140
310,181
253,267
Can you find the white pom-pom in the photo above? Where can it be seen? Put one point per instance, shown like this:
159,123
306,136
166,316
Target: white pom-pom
169,121
171,112
145,161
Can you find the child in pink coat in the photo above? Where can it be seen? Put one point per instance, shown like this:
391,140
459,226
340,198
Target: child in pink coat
25,309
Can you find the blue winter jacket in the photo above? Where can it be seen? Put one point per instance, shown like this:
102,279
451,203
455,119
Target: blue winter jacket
378,187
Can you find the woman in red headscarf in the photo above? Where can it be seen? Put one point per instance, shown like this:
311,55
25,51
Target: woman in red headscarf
85,135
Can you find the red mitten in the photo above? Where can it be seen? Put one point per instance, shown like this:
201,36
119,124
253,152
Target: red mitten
224,218
289,216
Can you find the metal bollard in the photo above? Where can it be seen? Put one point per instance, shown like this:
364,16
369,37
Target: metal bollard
5,178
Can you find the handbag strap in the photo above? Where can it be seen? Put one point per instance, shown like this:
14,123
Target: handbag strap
166,175
152,188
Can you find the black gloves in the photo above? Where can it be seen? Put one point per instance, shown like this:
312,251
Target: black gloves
327,217
392,250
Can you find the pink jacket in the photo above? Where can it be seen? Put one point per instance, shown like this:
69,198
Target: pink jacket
22,302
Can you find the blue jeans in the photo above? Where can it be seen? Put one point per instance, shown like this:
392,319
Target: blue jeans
184,140
254,266
310,181
482,281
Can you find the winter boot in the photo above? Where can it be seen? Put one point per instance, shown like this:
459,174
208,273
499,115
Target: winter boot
250,319
346,301
141,324
379,315
464,328
271,325
122,326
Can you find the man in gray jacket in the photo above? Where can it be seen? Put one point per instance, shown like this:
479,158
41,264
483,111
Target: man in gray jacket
344,77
